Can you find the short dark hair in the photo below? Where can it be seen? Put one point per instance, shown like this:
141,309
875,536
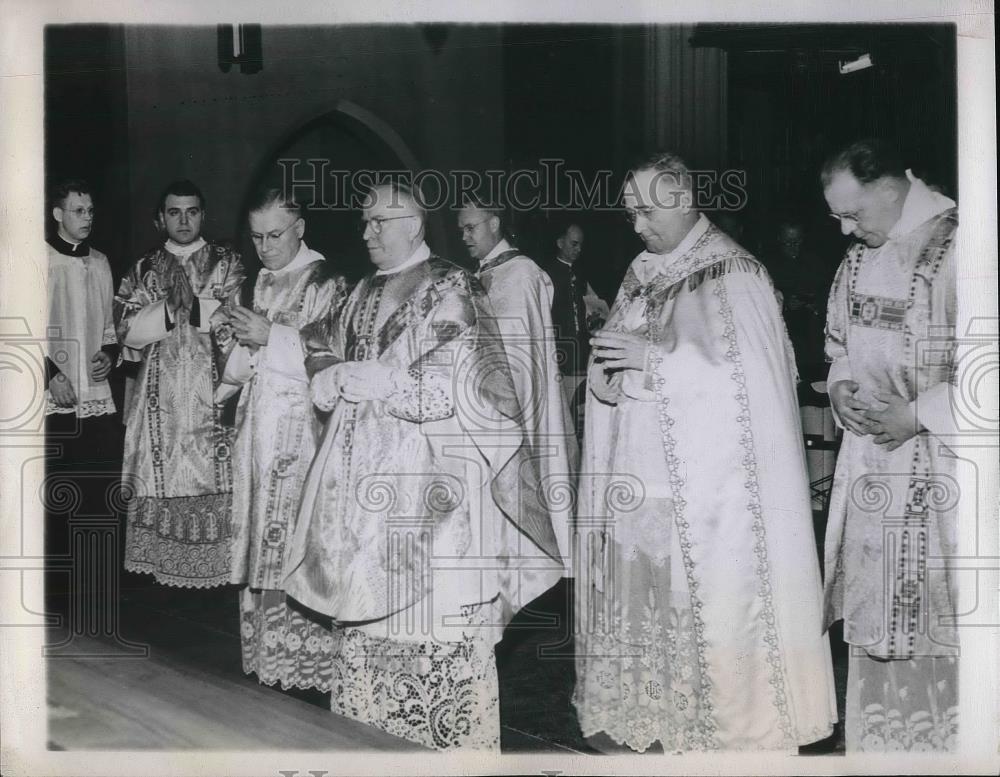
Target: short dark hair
269,196
64,188
181,188
666,162
567,225
561,223
867,160
482,200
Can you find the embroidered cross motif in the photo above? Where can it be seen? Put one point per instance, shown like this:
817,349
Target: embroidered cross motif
363,346
909,593
916,498
275,534
878,312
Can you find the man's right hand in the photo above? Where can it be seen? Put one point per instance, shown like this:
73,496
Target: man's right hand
849,409
61,391
180,296
325,387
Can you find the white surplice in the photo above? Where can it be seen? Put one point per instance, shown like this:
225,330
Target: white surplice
80,298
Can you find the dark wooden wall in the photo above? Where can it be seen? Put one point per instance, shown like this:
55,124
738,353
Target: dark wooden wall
86,125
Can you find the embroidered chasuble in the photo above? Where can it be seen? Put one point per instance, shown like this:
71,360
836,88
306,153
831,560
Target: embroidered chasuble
520,294
177,461
699,614
276,433
420,531
893,514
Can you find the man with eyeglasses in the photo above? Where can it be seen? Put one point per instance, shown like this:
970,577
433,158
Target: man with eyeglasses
81,348
521,295
78,401
276,435
890,340
699,616
420,533
178,462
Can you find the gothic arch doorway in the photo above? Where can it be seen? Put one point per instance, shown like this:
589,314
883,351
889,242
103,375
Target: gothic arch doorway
325,156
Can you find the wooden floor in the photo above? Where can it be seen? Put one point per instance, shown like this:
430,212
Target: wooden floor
170,678
120,703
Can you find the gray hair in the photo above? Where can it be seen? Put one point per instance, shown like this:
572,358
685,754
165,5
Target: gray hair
272,196
400,192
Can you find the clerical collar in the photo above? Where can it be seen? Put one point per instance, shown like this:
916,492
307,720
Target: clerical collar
304,256
67,248
498,249
560,259
921,205
186,250
422,254
651,263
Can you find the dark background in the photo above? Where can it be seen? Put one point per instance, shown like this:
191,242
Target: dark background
131,107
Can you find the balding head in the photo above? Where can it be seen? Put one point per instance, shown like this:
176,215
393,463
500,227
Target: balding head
393,224
659,201
570,243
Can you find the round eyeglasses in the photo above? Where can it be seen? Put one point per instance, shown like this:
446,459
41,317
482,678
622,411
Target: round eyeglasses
376,223
468,229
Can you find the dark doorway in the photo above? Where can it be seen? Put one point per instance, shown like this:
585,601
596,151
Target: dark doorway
326,163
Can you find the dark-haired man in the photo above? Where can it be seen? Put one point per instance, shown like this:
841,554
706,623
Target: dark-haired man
177,447
890,337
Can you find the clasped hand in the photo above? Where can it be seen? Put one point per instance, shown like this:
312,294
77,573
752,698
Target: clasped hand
619,350
892,423
180,296
354,382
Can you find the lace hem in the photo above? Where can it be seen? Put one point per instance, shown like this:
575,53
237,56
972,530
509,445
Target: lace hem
281,645
635,734
635,739
639,682
175,581
183,541
902,705
439,695
92,407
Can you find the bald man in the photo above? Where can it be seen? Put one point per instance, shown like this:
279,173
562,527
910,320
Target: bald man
420,533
